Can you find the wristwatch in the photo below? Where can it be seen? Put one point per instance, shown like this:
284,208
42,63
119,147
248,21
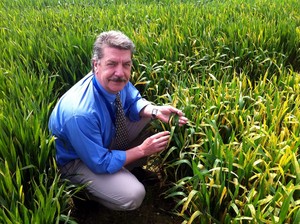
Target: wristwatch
154,113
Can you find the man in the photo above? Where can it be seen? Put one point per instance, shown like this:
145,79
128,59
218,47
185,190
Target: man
84,123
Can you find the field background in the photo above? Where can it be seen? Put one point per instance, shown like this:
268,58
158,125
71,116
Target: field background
232,67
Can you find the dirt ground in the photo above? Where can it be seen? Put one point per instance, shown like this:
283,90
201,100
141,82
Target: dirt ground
154,210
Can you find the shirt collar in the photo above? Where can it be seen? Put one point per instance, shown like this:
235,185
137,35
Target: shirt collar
109,96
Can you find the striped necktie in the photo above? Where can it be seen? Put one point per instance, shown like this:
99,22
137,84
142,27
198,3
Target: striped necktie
121,129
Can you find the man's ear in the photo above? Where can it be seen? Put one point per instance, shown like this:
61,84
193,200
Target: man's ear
94,63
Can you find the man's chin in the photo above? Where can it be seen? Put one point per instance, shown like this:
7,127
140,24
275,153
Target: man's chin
117,87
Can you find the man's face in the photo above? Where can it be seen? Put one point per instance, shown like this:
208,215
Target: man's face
114,69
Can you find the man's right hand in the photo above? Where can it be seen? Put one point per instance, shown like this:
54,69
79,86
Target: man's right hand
151,145
155,143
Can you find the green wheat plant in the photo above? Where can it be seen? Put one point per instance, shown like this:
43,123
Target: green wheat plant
231,66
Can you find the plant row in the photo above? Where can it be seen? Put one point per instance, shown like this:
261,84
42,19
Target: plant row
231,66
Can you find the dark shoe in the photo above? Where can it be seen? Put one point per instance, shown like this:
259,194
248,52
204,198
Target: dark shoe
146,177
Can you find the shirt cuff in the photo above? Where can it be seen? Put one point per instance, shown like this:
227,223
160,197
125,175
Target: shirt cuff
139,105
118,158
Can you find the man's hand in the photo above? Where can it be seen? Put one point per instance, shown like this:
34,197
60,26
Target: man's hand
164,113
153,144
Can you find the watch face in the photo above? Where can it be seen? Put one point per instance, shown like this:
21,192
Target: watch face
154,113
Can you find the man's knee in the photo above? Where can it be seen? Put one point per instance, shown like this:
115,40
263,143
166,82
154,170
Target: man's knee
126,199
133,199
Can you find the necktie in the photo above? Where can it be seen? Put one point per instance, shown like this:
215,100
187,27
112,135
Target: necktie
121,130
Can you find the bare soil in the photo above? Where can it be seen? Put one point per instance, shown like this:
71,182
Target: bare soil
154,210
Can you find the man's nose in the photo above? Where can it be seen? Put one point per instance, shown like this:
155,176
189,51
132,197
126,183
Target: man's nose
119,71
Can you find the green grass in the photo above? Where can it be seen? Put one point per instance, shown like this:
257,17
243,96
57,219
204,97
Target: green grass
231,66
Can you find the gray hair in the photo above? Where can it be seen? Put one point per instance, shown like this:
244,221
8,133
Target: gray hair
114,39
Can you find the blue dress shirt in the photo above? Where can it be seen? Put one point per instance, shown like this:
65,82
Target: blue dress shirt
84,126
